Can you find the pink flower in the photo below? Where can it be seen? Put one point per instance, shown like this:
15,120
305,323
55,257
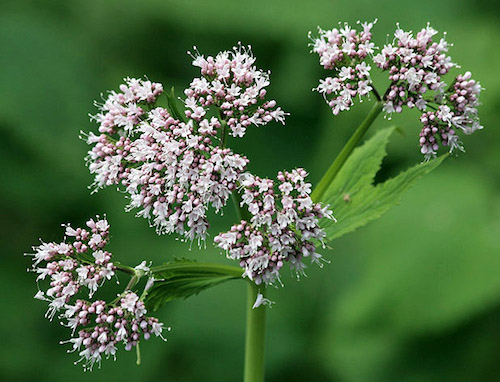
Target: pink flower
283,228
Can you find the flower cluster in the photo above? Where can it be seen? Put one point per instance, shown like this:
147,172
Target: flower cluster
437,128
101,327
416,65
171,169
83,263
231,82
178,175
123,110
457,111
283,228
344,52
463,99
174,170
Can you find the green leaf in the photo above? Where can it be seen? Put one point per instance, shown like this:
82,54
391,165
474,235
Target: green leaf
354,199
428,295
184,278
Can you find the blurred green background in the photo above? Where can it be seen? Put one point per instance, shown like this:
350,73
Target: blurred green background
414,296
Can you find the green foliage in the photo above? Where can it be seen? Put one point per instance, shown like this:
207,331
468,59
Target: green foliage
421,300
353,197
183,278
59,55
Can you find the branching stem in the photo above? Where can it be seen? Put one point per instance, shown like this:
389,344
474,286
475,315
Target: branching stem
337,164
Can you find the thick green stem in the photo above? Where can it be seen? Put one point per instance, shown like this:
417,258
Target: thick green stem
133,280
255,337
125,268
337,164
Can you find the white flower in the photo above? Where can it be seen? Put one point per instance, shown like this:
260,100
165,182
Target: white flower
82,273
70,231
444,113
149,284
142,267
364,87
389,107
285,188
421,104
345,73
99,256
129,301
40,296
413,77
379,59
261,300
363,69
255,242
403,36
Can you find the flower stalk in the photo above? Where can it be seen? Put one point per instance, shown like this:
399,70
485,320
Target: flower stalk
337,164
195,266
255,336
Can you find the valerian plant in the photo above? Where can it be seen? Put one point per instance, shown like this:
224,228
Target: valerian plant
174,165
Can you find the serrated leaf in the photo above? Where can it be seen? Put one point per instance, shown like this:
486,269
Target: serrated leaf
354,199
183,278
434,282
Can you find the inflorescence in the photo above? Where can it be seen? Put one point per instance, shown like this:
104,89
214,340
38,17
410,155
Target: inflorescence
416,67
175,166
80,265
235,87
283,228
173,169
344,51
